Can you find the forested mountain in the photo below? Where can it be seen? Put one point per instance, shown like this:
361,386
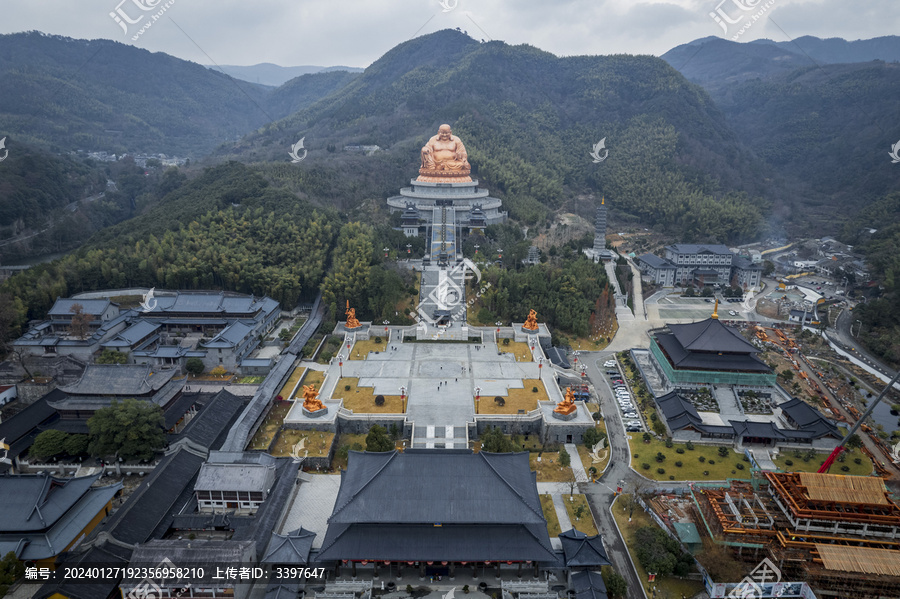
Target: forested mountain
716,63
274,75
529,120
51,203
305,90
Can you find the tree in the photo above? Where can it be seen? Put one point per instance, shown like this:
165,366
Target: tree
494,441
77,444
11,570
81,322
111,356
133,429
48,444
787,374
591,437
616,586
853,442
378,439
218,371
194,366
768,268
565,460
660,553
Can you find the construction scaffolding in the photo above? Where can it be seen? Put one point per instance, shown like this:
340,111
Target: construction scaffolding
841,534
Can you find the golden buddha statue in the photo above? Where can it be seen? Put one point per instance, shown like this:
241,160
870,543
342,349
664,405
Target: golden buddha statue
352,322
311,400
444,158
567,405
531,322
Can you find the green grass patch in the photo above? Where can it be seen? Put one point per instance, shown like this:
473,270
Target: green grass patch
585,523
692,468
550,515
802,464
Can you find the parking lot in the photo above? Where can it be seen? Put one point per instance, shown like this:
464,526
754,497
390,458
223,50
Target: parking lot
630,416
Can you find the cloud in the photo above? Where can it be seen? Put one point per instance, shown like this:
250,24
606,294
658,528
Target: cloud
357,32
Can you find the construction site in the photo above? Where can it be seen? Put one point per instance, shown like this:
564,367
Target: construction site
839,534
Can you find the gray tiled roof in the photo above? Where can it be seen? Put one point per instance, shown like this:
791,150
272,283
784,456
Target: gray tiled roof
94,307
581,550
437,505
694,248
119,379
235,477
292,548
230,336
589,585
655,261
711,335
36,501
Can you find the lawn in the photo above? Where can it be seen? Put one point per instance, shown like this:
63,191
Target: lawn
250,380
317,443
515,400
550,516
285,392
692,468
800,464
548,469
349,440
586,523
270,426
521,351
675,587
362,399
313,377
362,348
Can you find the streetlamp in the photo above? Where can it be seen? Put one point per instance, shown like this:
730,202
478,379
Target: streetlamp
477,397
498,323
386,250
476,248
403,398
499,251
540,365
385,323
408,249
576,358
341,364
583,373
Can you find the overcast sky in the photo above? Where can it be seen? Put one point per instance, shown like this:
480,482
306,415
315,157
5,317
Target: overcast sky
357,32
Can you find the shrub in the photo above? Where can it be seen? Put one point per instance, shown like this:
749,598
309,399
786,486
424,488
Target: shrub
377,339
534,389
379,400
723,452
409,589
679,450
645,466
745,458
702,458
739,466
671,477
565,460
711,462
678,464
660,457
466,589
689,446
499,401
506,341
653,416
660,470
346,387
845,468
706,473
659,428
635,456
669,442
647,437
789,462
857,461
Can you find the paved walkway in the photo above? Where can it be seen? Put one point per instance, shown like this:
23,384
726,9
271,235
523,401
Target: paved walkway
577,467
560,507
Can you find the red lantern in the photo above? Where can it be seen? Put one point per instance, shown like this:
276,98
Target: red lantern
487,562
387,563
508,563
410,563
443,563
429,563
344,561
364,562
464,563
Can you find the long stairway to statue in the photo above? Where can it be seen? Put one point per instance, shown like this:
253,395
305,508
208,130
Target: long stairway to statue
443,236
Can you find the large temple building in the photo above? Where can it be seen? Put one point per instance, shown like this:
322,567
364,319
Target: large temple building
708,353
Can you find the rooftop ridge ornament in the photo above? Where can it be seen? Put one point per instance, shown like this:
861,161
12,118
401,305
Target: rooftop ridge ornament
444,159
